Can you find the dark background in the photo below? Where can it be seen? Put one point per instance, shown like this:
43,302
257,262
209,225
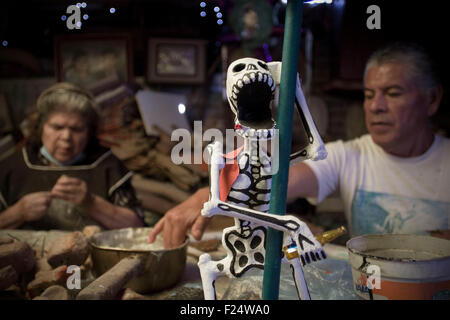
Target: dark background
342,40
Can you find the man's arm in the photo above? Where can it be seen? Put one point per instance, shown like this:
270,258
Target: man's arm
302,183
177,221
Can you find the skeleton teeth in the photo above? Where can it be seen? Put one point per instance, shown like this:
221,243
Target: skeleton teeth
260,76
253,76
246,79
270,81
265,77
240,84
234,96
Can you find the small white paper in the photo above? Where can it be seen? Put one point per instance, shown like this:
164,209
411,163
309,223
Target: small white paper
161,109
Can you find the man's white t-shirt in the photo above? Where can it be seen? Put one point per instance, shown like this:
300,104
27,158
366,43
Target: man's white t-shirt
383,193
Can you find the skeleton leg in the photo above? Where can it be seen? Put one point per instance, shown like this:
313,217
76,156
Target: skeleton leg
291,256
209,270
208,273
300,283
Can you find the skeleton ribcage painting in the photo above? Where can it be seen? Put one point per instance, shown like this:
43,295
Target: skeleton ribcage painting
245,240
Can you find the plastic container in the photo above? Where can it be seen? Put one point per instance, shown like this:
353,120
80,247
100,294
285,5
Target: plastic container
400,267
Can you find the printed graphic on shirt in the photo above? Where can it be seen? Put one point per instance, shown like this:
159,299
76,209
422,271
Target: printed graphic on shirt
374,212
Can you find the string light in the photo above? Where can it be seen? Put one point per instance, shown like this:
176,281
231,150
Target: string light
216,9
312,2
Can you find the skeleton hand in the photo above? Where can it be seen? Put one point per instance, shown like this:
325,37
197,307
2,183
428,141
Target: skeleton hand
307,247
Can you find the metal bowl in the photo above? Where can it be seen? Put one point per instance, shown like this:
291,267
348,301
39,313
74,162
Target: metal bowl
163,268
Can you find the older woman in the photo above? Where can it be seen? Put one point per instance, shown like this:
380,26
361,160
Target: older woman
62,178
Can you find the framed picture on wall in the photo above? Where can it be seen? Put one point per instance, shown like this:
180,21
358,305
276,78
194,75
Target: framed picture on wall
179,61
6,123
87,59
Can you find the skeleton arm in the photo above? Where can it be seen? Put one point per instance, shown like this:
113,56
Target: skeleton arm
216,163
315,149
307,245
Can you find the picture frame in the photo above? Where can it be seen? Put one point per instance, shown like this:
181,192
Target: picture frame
176,61
87,59
6,121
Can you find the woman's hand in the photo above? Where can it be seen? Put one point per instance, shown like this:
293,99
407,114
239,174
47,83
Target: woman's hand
34,206
73,190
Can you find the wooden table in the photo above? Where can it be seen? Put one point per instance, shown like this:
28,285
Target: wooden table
328,279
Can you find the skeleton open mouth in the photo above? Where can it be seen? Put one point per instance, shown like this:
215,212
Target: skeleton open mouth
251,93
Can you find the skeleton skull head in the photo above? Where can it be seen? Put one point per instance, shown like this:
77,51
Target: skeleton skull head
250,91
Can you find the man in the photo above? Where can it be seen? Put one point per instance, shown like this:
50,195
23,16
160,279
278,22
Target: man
393,180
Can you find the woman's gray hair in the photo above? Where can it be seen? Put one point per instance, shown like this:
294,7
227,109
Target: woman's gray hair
68,98
417,61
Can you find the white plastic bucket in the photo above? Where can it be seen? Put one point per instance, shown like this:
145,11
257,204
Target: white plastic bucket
401,267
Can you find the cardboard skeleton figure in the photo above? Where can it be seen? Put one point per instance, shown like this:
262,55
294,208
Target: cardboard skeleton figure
242,190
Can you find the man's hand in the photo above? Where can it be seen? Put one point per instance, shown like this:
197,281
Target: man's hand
177,221
73,190
34,206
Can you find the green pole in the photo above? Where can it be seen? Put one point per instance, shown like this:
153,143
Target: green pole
291,47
